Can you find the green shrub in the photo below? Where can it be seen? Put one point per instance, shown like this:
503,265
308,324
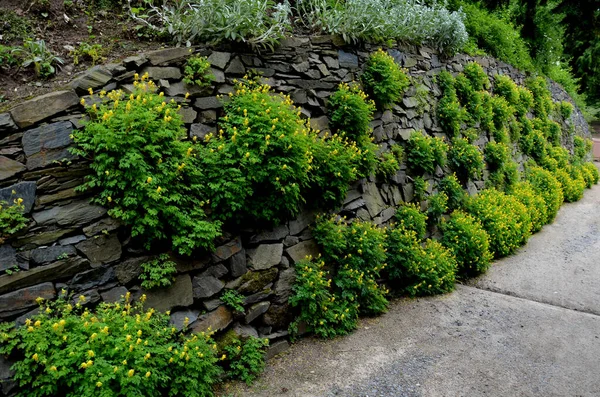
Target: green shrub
11,218
465,159
525,101
423,152
505,87
419,270
383,79
8,59
420,187
566,109
502,112
476,76
533,202
388,165
324,313
450,114
504,218
118,350
534,144
410,217
350,111
579,149
572,188
505,177
437,206
357,251
452,188
560,154
144,171
246,360
197,72
93,52
464,236
546,185
234,300
542,99
593,172
158,273
496,155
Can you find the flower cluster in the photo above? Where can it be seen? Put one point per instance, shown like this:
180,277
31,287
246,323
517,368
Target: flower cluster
12,219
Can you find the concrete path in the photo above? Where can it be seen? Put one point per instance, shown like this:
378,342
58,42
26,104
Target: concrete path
529,327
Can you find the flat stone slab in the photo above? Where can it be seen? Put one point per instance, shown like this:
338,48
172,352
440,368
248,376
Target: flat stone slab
560,264
43,107
469,343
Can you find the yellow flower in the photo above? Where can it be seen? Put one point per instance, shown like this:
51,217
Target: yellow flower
91,353
148,374
109,199
130,373
82,102
158,189
37,323
147,356
99,384
149,180
35,357
53,368
223,357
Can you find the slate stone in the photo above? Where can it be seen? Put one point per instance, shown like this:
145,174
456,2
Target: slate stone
43,107
277,348
265,256
188,115
320,123
135,61
41,256
91,298
24,190
102,226
205,287
72,240
49,136
409,62
302,222
101,249
92,278
212,304
373,200
211,102
278,316
177,319
23,299
130,269
227,250
283,285
301,67
9,168
219,59
216,271
216,320
58,196
244,331
236,68
39,238
347,60
114,294
8,257
93,78
259,296
410,102
301,250
78,213
237,264
55,271
275,234
254,281
157,73
180,89
46,158
179,294
256,310
201,130
7,124
331,62
168,54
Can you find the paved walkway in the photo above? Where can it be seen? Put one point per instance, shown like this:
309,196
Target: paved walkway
529,327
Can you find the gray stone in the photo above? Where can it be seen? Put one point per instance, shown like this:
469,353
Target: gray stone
218,271
236,68
157,73
46,158
408,191
331,63
24,190
409,62
265,256
302,222
201,130
188,115
9,168
72,240
373,200
410,102
134,62
38,238
7,125
347,60
114,294
219,76
178,319
301,67
323,69
252,281
320,123
212,304
227,250
277,348
211,102
25,298
58,196
290,240
278,316
129,270
237,264
93,78
40,256
219,59
256,310
91,297
471,188
179,88
244,331
101,249
43,107
301,250
8,257
275,234
214,321
258,297
78,213
168,54
354,205
205,287
283,285
55,271
102,226
179,294
92,278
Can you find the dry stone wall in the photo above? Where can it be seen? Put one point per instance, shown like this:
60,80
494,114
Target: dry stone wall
73,244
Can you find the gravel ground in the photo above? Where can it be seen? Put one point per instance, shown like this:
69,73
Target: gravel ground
527,328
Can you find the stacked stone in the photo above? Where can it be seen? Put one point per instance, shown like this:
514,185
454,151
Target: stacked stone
73,244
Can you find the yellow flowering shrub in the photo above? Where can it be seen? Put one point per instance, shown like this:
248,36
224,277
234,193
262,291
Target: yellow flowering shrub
533,202
12,219
546,185
383,79
119,349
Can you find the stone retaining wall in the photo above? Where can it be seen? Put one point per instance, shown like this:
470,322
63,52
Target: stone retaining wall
73,244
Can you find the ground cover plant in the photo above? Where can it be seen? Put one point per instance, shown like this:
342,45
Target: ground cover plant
12,219
383,79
